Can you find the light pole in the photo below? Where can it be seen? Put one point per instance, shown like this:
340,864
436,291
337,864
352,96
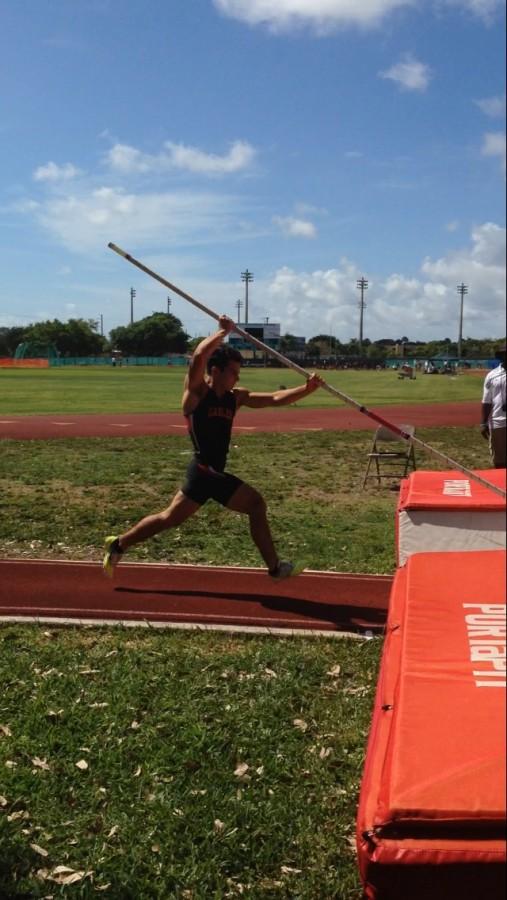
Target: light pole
132,295
362,285
239,304
101,325
169,301
462,289
247,277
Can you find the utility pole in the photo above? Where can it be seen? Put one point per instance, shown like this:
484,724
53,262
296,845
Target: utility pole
169,301
239,304
132,295
462,289
362,285
101,325
247,277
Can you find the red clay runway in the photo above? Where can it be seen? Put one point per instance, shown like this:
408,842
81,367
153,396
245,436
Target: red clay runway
337,418
187,596
190,596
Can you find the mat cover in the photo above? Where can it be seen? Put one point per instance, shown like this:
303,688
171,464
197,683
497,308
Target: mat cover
431,819
446,511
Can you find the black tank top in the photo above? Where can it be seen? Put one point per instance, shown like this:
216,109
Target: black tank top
210,427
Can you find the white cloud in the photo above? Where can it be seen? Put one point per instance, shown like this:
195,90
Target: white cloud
52,172
483,9
239,158
322,15
88,220
409,74
494,145
494,107
292,227
128,160
422,307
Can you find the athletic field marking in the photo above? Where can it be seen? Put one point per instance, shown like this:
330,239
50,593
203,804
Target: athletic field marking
7,421
63,423
120,425
188,626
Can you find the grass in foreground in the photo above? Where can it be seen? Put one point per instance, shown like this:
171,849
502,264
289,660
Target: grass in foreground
158,389
172,765
123,753
60,498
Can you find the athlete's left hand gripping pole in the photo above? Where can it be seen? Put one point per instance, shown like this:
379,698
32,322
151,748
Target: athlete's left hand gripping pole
451,463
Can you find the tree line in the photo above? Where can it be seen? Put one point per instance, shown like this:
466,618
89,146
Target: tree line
155,335
163,333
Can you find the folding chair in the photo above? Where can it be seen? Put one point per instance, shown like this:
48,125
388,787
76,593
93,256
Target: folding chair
390,462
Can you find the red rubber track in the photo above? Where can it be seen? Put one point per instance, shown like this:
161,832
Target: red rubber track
337,418
192,595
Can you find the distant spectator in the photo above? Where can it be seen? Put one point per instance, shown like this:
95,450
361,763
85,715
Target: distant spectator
493,419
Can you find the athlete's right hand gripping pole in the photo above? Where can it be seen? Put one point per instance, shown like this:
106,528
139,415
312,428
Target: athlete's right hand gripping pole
450,463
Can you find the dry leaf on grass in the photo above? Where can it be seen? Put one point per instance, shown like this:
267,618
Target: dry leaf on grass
39,850
5,730
300,724
82,764
40,763
20,814
241,770
65,875
334,672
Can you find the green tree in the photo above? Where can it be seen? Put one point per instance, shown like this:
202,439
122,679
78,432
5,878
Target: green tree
288,342
155,335
10,338
77,337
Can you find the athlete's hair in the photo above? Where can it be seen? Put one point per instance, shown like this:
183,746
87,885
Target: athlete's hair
222,357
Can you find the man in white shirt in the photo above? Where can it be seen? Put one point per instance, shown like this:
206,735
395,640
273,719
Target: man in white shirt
493,419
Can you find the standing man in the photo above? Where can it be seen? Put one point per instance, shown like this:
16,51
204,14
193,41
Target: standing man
210,402
493,419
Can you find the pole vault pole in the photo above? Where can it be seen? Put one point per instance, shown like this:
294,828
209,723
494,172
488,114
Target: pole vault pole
331,390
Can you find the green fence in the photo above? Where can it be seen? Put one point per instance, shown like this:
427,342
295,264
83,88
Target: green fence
126,362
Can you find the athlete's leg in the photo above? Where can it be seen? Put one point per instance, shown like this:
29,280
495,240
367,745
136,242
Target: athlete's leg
247,500
180,509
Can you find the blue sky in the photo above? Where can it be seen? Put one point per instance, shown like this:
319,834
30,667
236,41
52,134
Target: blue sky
310,141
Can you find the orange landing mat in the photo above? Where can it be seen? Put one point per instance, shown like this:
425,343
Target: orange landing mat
192,596
432,812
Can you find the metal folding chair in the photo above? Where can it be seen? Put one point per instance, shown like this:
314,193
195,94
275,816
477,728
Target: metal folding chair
389,461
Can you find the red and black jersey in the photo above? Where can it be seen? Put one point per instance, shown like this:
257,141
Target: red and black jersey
210,426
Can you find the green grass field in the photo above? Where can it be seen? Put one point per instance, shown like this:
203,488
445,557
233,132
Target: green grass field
123,752
154,389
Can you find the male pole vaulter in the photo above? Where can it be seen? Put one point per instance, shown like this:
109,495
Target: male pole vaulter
210,402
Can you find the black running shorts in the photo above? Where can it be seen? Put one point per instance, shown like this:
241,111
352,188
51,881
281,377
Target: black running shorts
203,483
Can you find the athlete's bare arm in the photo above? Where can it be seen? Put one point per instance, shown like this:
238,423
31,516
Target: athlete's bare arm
195,380
257,400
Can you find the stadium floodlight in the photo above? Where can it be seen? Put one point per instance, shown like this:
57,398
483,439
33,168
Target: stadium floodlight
133,293
247,277
362,285
462,289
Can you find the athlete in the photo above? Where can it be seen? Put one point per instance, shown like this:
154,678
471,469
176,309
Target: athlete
210,402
